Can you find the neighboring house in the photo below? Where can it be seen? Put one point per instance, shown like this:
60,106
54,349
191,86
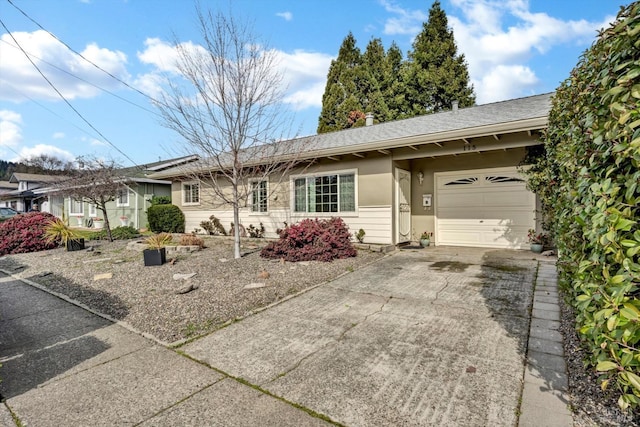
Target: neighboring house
453,173
28,194
6,198
132,201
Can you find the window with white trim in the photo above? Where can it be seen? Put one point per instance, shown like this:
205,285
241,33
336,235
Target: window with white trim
325,193
76,207
191,193
122,198
93,210
259,196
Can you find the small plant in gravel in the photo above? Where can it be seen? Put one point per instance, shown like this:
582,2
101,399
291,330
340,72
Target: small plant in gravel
60,233
213,227
25,233
360,235
158,241
312,240
191,240
256,232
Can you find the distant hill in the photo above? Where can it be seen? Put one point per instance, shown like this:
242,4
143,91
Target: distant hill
8,168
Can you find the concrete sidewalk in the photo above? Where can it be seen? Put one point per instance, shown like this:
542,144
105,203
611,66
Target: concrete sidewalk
426,337
65,366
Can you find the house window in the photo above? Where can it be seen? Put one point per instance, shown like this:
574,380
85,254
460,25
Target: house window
326,193
122,198
190,193
93,211
259,196
76,207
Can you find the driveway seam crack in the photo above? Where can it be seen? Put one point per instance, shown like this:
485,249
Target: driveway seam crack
330,343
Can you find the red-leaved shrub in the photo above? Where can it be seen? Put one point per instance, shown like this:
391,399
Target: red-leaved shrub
25,233
312,240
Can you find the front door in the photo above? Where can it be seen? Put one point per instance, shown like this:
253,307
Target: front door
403,206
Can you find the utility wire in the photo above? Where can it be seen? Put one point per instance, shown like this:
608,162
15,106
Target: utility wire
48,109
81,56
62,96
86,81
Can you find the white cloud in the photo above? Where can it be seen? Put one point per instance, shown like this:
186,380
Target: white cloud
10,131
304,72
498,39
504,82
59,64
58,135
287,16
404,21
162,55
29,152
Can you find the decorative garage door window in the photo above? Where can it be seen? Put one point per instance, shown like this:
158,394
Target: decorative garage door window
464,181
327,193
497,179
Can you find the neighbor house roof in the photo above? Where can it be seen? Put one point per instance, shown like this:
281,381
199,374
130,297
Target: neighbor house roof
6,185
514,115
142,171
33,177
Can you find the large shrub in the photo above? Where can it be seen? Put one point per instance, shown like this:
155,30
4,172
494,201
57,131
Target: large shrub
25,233
165,218
588,179
312,239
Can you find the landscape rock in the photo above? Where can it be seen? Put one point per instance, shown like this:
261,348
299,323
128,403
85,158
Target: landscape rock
102,276
183,276
186,289
254,286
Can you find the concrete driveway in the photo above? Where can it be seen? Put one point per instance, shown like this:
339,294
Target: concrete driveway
425,337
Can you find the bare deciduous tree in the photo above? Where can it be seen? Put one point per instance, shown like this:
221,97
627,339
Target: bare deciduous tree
227,106
49,164
95,181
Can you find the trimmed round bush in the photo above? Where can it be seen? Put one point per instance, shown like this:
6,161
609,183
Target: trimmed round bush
25,233
312,240
165,219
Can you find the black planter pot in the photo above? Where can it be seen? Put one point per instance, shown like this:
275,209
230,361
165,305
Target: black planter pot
154,256
75,244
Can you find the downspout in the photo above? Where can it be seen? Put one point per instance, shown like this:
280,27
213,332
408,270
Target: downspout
137,217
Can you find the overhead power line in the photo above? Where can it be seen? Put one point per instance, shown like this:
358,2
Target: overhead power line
63,97
82,56
85,80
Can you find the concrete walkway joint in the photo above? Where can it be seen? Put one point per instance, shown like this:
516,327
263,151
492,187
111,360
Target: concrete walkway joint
545,401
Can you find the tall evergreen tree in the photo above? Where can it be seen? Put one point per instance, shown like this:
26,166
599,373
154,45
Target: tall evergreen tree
373,75
392,86
340,94
435,74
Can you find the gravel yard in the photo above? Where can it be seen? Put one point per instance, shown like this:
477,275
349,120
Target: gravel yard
148,298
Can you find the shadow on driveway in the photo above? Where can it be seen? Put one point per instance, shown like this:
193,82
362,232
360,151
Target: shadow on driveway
42,336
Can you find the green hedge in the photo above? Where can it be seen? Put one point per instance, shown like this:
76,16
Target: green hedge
165,219
588,181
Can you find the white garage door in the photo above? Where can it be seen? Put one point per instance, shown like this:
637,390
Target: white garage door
484,208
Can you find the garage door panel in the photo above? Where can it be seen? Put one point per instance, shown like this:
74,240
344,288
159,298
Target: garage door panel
488,208
512,197
460,200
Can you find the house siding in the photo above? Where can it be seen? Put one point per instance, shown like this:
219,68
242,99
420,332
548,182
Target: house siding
374,196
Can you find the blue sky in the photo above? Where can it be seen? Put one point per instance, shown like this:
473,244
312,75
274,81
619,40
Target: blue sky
514,48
